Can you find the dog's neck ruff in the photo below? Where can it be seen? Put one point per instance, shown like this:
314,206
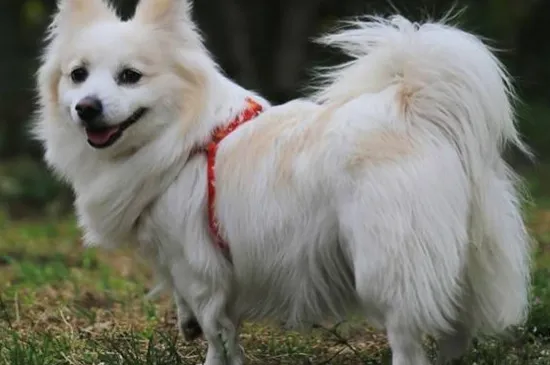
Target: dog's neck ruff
252,110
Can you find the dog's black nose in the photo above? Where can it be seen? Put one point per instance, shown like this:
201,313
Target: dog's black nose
89,109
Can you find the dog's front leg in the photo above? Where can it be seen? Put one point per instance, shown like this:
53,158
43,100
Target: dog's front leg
187,322
220,332
208,303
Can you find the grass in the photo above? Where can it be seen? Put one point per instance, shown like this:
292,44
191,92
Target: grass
63,304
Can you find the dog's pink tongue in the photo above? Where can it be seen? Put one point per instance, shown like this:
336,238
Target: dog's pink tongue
101,136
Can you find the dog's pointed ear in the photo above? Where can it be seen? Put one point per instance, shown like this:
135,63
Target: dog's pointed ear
79,13
167,13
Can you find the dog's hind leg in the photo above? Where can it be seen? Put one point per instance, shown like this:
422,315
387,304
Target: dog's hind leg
402,280
453,345
404,336
406,345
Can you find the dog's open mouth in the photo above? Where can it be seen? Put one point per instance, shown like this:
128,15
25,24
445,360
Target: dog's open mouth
106,136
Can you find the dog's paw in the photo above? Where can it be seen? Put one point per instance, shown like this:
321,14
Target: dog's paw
191,329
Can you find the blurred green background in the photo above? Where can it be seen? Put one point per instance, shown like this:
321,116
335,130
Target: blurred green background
265,45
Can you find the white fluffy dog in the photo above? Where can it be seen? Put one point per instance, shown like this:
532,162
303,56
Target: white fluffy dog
383,194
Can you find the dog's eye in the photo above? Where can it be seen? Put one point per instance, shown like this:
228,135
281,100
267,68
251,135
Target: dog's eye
79,75
129,76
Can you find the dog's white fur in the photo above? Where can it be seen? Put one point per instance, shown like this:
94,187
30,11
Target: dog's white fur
385,193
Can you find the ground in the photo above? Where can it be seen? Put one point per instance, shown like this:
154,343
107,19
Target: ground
61,303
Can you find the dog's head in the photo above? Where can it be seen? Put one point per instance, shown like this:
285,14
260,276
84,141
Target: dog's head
120,83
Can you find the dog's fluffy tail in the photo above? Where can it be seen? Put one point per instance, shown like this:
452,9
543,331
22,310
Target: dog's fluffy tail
499,255
446,77
449,82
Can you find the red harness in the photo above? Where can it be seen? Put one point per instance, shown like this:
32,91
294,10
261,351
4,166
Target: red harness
250,112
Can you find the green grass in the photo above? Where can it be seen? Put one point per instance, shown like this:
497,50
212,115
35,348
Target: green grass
63,304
